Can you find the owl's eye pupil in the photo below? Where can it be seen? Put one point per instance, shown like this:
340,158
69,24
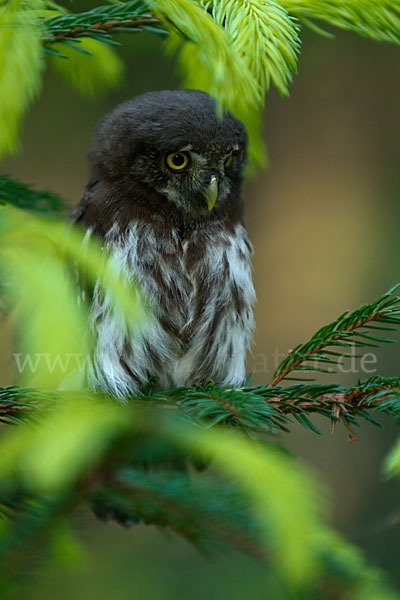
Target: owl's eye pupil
177,161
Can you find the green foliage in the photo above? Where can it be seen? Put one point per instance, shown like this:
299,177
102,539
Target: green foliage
89,65
291,540
347,331
37,284
131,16
49,458
65,549
256,410
34,253
264,35
376,19
266,38
207,57
27,198
135,462
23,31
354,579
221,46
392,463
130,462
21,63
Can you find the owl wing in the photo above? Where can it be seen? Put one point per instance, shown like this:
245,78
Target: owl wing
80,215
79,212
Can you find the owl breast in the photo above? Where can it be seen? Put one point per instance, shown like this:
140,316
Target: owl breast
197,295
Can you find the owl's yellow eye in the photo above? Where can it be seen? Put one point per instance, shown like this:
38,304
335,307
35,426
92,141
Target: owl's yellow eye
228,160
177,161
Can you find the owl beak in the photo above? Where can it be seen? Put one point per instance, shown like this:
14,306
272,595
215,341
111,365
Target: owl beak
210,192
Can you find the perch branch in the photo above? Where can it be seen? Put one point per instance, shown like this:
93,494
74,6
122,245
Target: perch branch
257,408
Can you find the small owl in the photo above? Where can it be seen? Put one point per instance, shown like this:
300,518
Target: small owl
164,196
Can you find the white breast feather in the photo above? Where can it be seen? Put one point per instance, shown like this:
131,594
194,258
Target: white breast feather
222,252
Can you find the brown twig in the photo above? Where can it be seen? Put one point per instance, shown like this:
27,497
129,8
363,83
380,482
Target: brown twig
343,404
349,399
104,27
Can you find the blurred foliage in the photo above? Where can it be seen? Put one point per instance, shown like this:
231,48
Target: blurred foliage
378,20
223,46
35,253
145,461
21,62
89,66
26,197
133,463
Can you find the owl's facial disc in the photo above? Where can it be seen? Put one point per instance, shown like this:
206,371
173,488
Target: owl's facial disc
196,181
171,155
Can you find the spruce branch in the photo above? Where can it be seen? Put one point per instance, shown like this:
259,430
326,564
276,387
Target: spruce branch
100,22
256,410
21,405
260,409
206,509
225,45
203,510
349,330
268,408
268,42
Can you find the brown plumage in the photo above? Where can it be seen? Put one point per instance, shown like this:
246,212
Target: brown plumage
164,195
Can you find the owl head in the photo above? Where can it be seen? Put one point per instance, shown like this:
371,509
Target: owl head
172,152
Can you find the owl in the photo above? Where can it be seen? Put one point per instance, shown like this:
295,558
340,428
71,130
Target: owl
164,196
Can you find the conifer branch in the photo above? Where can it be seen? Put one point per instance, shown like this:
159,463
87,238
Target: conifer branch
348,330
100,22
254,409
164,498
140,477
269,407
